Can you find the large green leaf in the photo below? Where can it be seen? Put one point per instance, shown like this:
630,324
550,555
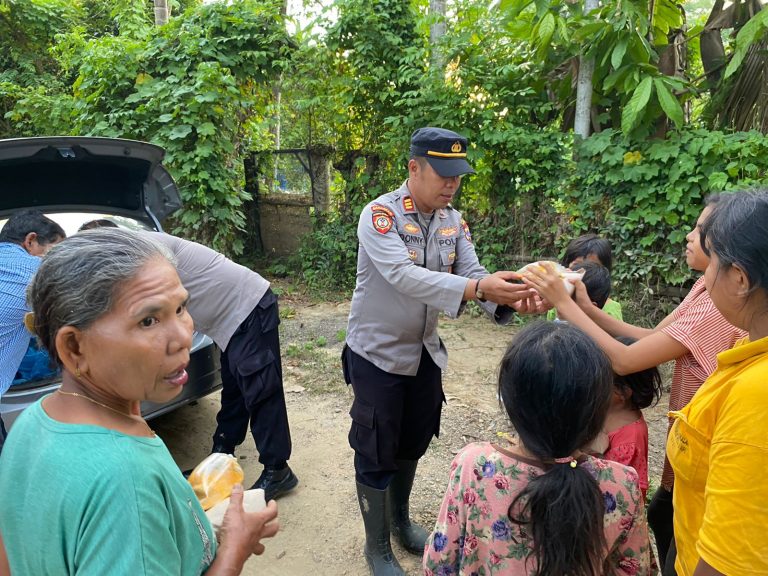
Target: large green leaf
636,105
667,15
618,52
750,32
546,30
615,77
669,103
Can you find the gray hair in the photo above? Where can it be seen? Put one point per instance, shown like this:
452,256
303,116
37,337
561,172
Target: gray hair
79,278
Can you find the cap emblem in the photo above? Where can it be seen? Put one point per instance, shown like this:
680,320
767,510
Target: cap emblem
456,147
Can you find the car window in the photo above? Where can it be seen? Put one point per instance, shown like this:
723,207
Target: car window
71,221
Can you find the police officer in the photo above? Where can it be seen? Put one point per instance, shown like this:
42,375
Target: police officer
416,259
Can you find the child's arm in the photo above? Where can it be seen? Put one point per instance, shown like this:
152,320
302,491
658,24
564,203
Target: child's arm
610,324
651,350
5,569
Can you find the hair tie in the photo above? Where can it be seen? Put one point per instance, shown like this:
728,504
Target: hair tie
567,460
29,321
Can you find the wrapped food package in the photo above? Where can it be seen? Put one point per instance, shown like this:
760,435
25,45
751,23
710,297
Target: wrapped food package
213,479
253,501
564,273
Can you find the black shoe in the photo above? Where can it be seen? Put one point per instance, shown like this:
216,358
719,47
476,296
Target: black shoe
222,449
276,483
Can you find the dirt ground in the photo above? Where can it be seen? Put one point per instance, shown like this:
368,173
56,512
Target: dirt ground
321,529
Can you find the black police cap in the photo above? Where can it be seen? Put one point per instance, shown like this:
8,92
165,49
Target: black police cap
445,150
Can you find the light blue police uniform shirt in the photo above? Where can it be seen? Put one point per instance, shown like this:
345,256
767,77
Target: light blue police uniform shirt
17,268
407,273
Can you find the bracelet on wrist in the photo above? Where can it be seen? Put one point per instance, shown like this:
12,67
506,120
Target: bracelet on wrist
479,294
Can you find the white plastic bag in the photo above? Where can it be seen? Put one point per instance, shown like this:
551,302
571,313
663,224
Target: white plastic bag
253,501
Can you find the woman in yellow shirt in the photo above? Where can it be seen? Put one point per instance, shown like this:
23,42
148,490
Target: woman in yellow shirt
718,446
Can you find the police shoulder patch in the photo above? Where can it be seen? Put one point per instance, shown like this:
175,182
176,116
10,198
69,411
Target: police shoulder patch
382,222
465,228
379,208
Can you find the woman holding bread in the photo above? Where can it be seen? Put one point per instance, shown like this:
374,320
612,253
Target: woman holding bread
88,488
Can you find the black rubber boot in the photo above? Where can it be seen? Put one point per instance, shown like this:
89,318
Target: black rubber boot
378,551
411,536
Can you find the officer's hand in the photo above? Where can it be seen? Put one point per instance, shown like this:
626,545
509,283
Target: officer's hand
506,287
532,305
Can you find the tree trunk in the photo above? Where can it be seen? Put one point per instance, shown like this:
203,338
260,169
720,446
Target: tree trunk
320,165
583,116
161,12
436,31
251,208
277,96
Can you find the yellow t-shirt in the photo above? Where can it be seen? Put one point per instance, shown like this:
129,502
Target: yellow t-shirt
718,448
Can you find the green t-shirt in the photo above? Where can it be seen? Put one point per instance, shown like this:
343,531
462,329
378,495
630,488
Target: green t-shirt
82,500
612,308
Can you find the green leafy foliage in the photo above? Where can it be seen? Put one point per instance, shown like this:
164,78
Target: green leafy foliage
529,198
636,105
645,196
328,257
190,86
204,87
752,31
631,89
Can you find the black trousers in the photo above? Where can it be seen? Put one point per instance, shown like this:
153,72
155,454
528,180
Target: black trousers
252,387
660,520
393,416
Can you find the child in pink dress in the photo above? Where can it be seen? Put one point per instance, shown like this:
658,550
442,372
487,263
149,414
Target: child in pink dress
625,434
541,506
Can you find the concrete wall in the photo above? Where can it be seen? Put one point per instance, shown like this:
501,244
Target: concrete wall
283,220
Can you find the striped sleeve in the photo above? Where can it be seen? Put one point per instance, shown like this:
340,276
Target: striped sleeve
700,327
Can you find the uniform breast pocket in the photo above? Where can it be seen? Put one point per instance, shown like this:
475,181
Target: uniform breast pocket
447,258
416,255
688,452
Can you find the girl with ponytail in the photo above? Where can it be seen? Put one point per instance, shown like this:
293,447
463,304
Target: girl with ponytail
541,506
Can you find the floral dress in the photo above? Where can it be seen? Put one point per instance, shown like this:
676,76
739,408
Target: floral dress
473,535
